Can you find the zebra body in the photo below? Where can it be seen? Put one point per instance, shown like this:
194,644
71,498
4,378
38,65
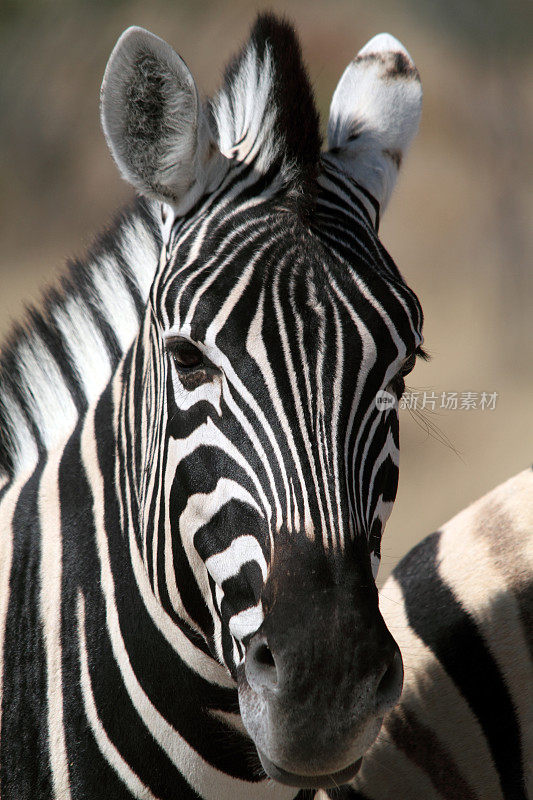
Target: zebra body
460,607
195,474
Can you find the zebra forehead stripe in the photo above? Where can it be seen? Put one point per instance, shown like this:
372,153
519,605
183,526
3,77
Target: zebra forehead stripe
297,402
336,402
255,347
245,235
320,429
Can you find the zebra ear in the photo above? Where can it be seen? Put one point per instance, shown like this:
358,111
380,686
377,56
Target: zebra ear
153,122
374,115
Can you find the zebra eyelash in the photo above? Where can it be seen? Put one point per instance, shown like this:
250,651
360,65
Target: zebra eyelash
410,362
407,366
398,382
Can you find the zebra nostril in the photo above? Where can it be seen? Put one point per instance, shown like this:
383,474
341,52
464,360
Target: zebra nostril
390,685
264,656
260,665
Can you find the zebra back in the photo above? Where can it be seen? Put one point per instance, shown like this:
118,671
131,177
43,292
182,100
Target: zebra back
460,605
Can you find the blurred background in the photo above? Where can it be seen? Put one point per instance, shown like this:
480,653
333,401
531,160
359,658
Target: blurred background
459,224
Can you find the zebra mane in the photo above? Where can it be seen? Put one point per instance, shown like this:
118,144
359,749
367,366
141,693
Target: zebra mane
265,110
64,353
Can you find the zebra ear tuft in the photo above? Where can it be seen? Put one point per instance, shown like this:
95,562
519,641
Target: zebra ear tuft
374,115
153,122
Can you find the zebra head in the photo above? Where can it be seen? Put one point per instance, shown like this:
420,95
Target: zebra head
266,376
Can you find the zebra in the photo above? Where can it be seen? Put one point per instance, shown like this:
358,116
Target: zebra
195,468
460,605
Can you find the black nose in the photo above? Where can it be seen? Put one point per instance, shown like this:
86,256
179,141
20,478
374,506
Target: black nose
260,665
268,670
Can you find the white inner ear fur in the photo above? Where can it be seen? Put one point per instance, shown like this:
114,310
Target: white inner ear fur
374,115
154,124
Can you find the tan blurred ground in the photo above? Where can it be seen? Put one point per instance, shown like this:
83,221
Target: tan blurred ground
457,226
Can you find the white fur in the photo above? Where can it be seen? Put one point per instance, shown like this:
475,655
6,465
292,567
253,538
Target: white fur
72,322
140,252
244,117
382,109
86,346
246,622
115,301
48,397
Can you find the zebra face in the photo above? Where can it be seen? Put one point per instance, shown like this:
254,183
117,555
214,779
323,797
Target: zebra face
283,471
276,339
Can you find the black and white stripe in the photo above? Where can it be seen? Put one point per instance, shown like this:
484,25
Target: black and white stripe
460,607
156,516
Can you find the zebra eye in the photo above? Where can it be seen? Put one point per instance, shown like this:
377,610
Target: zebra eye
398,382
408,366
185,354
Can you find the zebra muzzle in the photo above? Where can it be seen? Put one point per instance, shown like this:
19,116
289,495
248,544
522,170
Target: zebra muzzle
313,702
